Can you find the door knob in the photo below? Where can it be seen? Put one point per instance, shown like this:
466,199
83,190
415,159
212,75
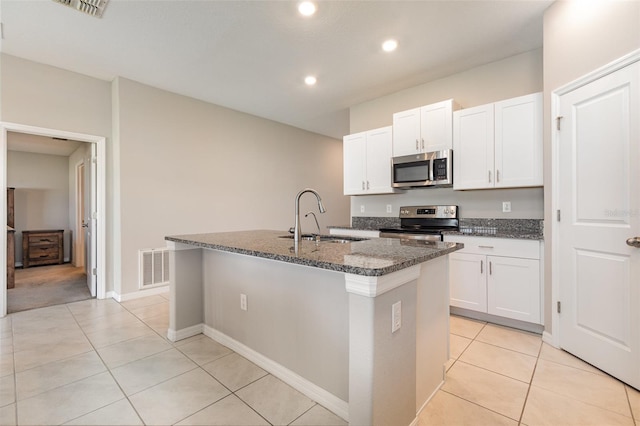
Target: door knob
634,242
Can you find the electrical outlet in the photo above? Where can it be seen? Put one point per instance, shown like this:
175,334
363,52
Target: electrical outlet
362,208
506,207
396,316
243,302
389,208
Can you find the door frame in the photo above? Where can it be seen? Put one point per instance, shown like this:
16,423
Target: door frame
100,187
79,249
553,336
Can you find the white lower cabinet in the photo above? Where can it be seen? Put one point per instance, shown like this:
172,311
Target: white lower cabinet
497,276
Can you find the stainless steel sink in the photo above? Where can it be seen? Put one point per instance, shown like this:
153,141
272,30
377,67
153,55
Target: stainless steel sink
338,239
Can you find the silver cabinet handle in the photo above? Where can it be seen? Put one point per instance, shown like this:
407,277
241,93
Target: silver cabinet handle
490,268
497,175
422,144
368,185
489,176
417,146
482,266
634,242
488,247
362,185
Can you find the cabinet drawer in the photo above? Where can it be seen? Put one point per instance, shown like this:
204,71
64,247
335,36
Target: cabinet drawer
47,239
527,249
44,252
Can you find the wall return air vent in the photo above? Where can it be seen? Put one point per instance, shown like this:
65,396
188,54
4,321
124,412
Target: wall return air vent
154,267
90,7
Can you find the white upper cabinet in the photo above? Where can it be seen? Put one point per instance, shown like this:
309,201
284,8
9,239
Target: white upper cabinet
367,162
425,129
499,145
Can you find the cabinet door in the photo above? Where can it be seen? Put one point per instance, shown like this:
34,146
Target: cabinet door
354,163
406,132
518,142
467,280
513,288
473,132
378,174
436,126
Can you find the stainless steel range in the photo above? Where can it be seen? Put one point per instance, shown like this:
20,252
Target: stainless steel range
424,223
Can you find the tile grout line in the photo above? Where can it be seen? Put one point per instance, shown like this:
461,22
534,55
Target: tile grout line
526,398
197,366
110,373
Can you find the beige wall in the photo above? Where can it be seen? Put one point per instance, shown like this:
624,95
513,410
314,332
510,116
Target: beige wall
186,166
39,95
579,37
177,165
41,195
508,78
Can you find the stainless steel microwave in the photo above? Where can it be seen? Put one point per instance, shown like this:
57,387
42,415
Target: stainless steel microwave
423,170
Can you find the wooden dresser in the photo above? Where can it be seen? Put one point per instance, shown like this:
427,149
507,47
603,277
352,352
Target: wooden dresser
41,247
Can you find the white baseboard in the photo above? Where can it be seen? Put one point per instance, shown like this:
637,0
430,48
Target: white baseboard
313,391
139,294
424,405
549,339
175,335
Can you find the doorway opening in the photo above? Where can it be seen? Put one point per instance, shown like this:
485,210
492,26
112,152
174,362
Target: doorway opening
59,195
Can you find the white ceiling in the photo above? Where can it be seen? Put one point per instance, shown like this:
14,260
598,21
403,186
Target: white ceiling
24,142
252,56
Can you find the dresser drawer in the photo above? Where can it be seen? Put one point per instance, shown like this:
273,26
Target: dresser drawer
43,252
42,247
43,239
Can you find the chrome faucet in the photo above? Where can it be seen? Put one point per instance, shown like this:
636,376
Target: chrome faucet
314,218
296,233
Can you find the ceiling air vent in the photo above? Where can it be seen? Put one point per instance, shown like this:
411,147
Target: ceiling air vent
90,7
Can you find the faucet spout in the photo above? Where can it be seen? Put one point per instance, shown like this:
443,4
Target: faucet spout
297,234
314,218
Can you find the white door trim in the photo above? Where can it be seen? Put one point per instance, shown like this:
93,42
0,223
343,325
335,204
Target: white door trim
552,336
100,142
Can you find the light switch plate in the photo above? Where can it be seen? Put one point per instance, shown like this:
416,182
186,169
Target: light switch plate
506,207
396,316
389,208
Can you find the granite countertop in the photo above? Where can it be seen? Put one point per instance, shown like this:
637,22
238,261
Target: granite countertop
524,229
374,257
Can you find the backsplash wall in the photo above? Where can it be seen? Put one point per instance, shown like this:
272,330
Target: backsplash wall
526,203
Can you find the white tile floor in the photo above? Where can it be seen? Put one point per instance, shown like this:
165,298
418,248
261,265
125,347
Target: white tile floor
105,363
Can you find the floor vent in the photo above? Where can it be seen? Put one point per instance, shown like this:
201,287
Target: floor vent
154,267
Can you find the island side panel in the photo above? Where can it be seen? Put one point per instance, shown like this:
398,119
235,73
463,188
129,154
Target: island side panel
186,309
432,333
382,362
296,316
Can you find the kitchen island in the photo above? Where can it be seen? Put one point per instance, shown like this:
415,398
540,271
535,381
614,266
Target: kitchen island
318,314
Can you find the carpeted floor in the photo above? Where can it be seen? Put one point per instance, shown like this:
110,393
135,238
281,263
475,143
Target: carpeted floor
41,286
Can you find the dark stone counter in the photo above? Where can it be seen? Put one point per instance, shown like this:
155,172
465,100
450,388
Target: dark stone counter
374,257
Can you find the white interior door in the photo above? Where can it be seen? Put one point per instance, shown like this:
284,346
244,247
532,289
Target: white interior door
89,222
599,193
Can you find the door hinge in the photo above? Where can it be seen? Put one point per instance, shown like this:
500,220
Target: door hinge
558,215
559,306
94,160
558,119
94,271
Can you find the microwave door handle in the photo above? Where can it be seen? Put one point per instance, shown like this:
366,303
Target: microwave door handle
431,170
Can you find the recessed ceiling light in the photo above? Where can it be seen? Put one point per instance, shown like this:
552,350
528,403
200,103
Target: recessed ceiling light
389,45
307,8
310,80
